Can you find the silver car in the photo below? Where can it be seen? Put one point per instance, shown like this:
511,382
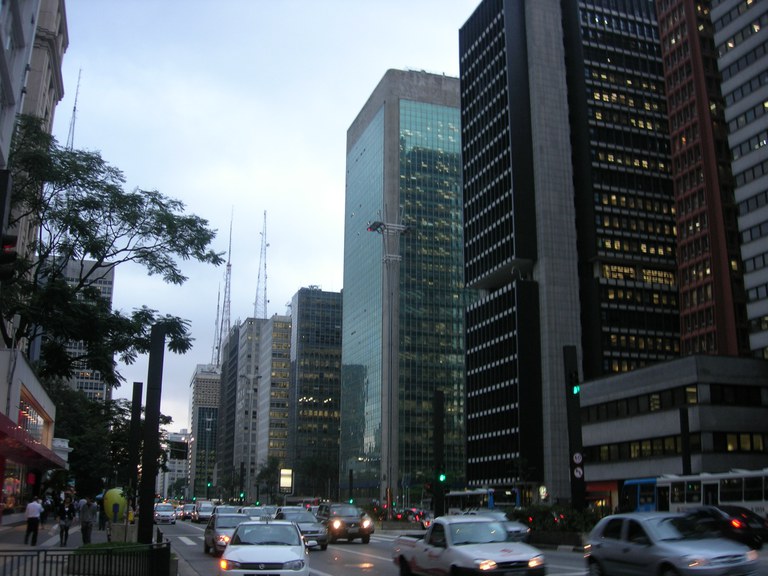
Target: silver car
219,530
164,514
663,543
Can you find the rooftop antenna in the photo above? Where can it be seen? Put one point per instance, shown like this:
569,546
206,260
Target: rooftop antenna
216,342
71,133
225,313
260,306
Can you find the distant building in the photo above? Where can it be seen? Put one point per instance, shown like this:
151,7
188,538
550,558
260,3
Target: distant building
172,483
274,391
404,294
314,416
204,408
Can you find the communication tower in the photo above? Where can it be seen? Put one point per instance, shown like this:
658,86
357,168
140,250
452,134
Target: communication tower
260,306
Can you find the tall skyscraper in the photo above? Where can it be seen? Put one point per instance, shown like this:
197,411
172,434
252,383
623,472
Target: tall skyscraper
404,295
741,41
204,407
273,390
313,441
709,270
569,223
228,471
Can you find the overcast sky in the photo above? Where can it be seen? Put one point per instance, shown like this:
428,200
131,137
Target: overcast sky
237,107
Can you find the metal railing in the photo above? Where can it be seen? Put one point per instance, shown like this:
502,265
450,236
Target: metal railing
137,560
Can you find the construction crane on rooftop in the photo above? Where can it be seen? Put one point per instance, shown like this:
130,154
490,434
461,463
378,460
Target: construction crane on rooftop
260,306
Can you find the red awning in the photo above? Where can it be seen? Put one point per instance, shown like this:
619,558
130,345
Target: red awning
17,445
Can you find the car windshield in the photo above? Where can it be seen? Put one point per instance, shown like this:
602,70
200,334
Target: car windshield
163,508
478,532
226,509
678,528
229,521
267,535
299,516
345,511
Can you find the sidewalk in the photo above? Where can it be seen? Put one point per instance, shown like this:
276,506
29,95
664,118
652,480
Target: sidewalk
12,536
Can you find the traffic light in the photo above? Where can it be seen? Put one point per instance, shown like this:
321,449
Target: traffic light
242,495
573,380
441,477
351,500
194,498
209,484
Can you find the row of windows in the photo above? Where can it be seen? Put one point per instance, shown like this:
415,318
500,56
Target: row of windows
754,232
756,262
631,246
694,248
751,145
746,61
626,159
693,322
751,173
642,225
638,343
742,35
642,404
758,293
628,295
744,90
601,56
651,206
748,116
621,24
733,13
697,296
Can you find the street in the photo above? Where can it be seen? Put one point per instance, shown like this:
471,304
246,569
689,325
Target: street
340,559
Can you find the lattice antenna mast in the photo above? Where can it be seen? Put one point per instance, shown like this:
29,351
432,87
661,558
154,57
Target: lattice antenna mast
216,343
260,306
225,312
71,133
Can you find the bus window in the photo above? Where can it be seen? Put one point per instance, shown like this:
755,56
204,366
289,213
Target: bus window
693,492
677,494
753,488
731,490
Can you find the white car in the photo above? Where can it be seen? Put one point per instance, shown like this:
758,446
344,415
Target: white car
165,514
273,546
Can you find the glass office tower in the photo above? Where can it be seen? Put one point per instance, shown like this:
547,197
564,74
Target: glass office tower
404,299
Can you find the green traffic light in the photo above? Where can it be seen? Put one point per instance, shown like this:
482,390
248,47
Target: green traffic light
576,389
442,477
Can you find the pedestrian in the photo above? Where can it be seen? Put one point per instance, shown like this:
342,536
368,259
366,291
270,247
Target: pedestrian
32,514
66,516
88,511
102,514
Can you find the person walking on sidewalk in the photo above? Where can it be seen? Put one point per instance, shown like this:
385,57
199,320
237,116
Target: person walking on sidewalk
32,514
66,516
88,511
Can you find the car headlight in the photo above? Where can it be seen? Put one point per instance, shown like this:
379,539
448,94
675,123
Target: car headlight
223,539
228,564
752,556
536,561
336,524
294,565
366,523
695,561
485,565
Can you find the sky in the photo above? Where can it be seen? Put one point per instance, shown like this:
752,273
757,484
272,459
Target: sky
238,108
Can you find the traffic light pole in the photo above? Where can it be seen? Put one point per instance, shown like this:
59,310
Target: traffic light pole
438,407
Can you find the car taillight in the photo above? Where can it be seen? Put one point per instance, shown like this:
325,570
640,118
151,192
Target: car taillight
736,523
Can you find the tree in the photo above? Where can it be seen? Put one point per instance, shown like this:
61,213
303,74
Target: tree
76,202
269,476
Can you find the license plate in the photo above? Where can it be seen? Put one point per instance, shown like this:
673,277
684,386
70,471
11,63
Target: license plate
353,530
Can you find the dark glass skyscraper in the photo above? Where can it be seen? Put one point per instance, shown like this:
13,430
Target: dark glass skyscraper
569,223
404,298
313,421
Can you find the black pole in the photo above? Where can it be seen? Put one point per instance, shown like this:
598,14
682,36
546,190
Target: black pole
151,434
573,422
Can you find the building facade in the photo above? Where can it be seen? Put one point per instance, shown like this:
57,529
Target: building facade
314,418
741,44
204,395
404,295
171,483
272,418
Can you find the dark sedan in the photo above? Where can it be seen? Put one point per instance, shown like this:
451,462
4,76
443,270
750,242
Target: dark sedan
732,522
311,528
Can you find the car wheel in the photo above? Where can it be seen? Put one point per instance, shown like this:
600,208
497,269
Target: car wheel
323,546
366,539
668,571
595,569
331,539
405,570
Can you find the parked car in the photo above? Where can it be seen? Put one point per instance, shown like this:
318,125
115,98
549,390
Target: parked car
218,531
662,543
310,527
345,521
516,531
273,545
734,522
225,509
164,514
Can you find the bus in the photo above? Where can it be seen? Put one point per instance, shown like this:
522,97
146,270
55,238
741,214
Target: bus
458,501
746,488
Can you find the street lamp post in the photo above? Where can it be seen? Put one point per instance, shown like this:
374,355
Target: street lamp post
390,234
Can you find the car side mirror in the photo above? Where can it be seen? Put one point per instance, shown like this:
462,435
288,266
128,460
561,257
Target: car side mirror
310,543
